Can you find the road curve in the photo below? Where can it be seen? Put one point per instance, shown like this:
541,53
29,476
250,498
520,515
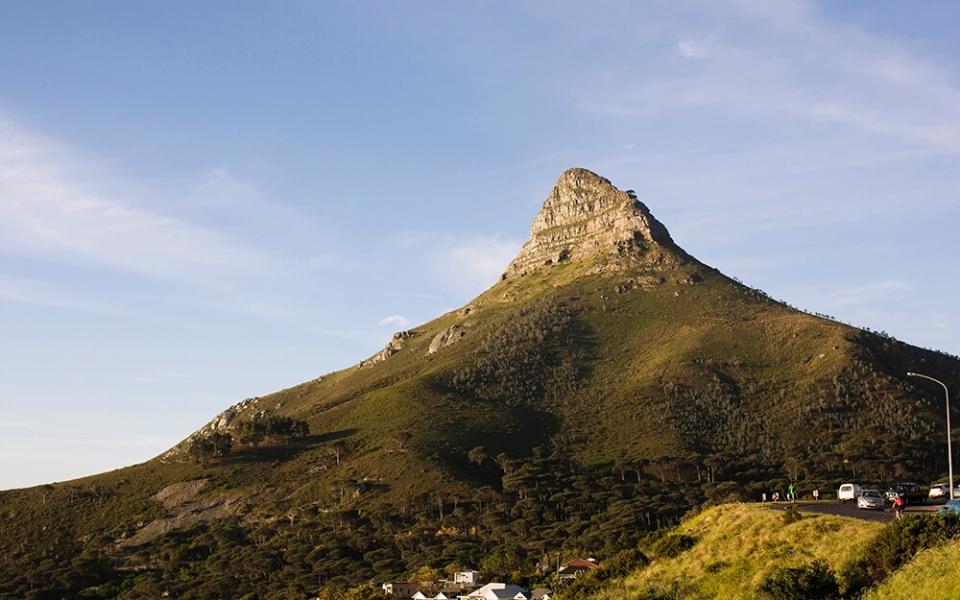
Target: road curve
851,510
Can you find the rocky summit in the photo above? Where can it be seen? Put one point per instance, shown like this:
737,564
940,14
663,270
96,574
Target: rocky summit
585,219
608,384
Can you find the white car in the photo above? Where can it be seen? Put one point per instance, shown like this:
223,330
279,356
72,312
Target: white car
849,491
870,500
941,491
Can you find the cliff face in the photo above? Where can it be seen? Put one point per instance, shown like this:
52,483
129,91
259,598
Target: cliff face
585,219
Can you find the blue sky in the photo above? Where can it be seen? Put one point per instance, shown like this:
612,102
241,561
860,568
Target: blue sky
202,202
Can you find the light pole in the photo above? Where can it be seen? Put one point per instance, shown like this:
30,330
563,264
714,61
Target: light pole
946,394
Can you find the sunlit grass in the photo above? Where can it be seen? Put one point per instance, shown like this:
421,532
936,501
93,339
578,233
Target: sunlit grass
738,545
932,575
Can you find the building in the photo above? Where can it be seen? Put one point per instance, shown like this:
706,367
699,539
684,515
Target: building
498,591
541,594
466,577
576,567
401,589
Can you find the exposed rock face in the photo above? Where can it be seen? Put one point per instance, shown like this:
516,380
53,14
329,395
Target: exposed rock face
586,219
393,346
180,493
447,337
223,423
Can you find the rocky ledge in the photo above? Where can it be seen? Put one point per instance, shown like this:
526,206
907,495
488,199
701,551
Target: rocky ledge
586,219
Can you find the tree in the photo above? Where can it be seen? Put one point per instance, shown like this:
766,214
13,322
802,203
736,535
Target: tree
477,455
506,463
402,438
221,443
212,445
338,448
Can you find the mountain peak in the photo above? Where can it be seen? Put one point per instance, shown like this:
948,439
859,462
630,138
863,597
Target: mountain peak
585,219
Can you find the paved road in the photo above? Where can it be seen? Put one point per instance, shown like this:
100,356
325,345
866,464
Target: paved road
850,510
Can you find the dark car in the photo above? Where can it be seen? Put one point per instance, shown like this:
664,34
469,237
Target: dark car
910,492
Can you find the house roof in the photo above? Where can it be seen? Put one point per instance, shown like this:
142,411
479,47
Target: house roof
539,593
579,563
500,591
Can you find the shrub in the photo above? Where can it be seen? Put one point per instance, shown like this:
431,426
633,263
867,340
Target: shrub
814,580
791,515
673,545
896,544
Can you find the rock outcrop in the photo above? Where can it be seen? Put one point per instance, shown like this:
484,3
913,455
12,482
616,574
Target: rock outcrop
393,346
585,219
447,337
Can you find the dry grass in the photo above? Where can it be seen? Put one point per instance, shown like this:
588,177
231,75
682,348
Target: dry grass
738,545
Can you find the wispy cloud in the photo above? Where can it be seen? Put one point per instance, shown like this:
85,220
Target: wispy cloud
51,206
695,48
478,262
794,64
395,320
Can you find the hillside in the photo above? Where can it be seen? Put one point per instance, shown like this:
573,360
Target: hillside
736,547
606,384
748,551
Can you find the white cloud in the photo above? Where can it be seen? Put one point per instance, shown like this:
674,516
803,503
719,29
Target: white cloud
56,205
395,320
478,262
782,60
693,48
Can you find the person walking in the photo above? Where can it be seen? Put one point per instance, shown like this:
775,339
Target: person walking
791,493
816,495
898,504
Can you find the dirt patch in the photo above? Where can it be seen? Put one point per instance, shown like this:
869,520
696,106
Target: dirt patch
198,512
177,494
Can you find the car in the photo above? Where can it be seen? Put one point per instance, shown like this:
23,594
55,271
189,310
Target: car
941,491
951,507
910,492
870,500
849,491
938,491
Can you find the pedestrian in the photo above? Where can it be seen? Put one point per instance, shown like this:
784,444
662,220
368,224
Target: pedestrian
898,504
776,496
816,495
791,493
763,497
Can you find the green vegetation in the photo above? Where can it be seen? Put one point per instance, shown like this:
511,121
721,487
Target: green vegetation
932,574
743,551
211,445
896,545
580,412
749,551
813,580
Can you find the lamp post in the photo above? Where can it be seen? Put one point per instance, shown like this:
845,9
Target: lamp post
946,394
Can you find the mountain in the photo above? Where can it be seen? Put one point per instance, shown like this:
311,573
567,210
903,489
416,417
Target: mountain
607,383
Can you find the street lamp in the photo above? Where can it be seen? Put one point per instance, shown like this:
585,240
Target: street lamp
946,394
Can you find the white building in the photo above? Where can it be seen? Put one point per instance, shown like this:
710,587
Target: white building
498,591
466,577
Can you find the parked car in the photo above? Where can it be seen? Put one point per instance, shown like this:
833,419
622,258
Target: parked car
941,491
871,500
849,491
910,492
952,506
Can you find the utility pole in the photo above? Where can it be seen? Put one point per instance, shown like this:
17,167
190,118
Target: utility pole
946,394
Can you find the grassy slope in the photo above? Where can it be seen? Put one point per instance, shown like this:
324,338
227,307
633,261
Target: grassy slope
738,545
932,575
630,344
